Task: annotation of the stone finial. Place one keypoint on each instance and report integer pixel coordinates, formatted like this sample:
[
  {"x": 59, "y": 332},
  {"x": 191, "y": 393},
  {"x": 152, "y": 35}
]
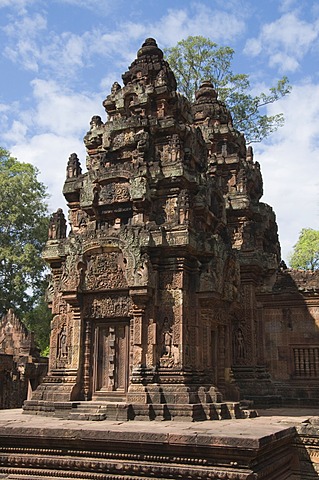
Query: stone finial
[
  {"x": 146, "y": 68},
  {"x": 74, "y": 167},
  {"x": 57, "y": 225},
  {"x": 150, "y": 47},
  {"x": 250, "y": 154},
  {"x": 206, "y": 92},
  {"x": 207, "y": 106}
]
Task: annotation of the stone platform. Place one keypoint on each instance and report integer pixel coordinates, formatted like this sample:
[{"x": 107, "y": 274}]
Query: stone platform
[{"x": 267, "y": 447}]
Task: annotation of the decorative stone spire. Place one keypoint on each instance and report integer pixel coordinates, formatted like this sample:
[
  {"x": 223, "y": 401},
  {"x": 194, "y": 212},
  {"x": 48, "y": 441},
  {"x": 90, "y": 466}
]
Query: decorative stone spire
[
  {"x": 74, "y": 167},
  {"x": 149, "y": 67},
  {"x": 208, "y": 109},
  {"x": 57, "y": 225}
]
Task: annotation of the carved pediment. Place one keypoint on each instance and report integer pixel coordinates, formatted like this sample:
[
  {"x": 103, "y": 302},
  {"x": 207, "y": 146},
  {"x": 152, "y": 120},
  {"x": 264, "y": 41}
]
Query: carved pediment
[{"x": 105, "y": 271}]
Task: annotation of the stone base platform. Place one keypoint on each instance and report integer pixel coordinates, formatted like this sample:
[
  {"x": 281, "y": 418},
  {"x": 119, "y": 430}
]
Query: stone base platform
[
  {"x": 39, "y": 447},
  {"x": 124, "y": 411}
]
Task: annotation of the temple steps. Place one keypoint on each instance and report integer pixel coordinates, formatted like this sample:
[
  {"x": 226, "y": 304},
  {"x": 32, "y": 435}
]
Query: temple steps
[{"x": 123, "y": 411}]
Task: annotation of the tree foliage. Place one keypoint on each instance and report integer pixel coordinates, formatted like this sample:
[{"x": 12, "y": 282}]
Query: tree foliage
[
  {"x": 196, "y": 59},
  {"x": 306, "y": 251},
  {"x": 38, "y": 320},
  {"x": 23, "y": 232}
]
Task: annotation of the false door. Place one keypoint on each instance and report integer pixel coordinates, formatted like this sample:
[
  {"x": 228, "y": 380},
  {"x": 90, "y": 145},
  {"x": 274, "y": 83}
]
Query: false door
[{"x": 111, "y": 359}]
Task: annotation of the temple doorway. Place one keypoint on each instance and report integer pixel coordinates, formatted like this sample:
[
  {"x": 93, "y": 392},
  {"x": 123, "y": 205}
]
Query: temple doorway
[{"x": 111, "y": 358}]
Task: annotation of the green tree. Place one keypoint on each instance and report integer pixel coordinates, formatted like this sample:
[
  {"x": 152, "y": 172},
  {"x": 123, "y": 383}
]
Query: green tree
[
  {"x": 38, "y": 320},
  {"x": 306, "y": 251},
  {"x": 23, "y": 232},
  {"x": 196, "y": 59}
]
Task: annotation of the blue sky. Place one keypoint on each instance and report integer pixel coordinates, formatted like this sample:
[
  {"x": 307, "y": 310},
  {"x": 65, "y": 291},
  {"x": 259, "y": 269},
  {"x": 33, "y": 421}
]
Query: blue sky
[{"x": 59, "y": 58}]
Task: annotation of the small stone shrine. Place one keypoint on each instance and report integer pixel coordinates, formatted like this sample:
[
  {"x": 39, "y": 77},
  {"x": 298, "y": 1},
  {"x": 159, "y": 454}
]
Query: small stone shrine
[
  {"x": 158, "y": 289},
  {"x": 21, "y": 367}
]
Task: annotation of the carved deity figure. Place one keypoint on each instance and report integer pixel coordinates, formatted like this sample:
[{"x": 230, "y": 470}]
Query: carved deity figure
[
  {"x": 144, "y": 273},
  {"x": 161, "y": 108},
  {"x": 96, "y": 122},
  {"x": 183, "y": 207},
  {"x": 287, "y": 317},
  {"x": 167, "y": 339},
  {"x": 115, "y": 87},
  {"x": 176, "y": 148},
  {"x": 239, "y": 346},
  {"x": 62, "y": 344},
  {"x": 57, "y": 225},
  {"x": 93, "y": 138},
  {"x": 161, "y": 79}
]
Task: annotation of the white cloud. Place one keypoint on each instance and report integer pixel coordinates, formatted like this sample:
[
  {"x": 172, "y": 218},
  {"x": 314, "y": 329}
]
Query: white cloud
[
  {"x": 62, "y": 112},
  {"x": 18, "y": 5},
  {"x": 4, "y": 107},
  {"x": 63, "y": 55},
  {"x": 287, "y": 5},
  {"x": 7, "y": 112},
  {"x": 73, "y": 49},
  {"x": 284, "y": 62},
  {"x": 56, "y": 110},
  {"x": 102, "y": 7},
  {"x": 49, "y": 153},
  {"x": 253, "y": 47},
  {"x": 32, "y": 45},
  {"x": 17, "y": 132},
  {"x": 285, "y": 41},
  {"x": 290, "y": 165},
  {"x": 23, "y": 35},
  {"x": 169, "y": 29},
  {"x": 35, "y": 47},
  {"x": 107, "y": 81},
  {"x": 26, "y": 27},
  {"x": 198, "y": 20},
  {"x": 46, "y": 135}
]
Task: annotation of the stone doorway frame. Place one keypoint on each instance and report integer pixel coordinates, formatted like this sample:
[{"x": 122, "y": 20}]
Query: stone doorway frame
[{"x": 110, "y": 355}]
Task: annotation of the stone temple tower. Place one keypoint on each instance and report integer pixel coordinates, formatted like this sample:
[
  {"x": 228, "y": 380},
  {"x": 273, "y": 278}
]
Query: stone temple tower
[{"x": 146, "y": 288}]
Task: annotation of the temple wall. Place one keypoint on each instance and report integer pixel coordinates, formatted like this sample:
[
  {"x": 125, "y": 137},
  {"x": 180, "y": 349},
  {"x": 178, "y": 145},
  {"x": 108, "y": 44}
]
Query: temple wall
[
  {"x": 291, "y": 341},
  {"x": 290, "y": 336}
]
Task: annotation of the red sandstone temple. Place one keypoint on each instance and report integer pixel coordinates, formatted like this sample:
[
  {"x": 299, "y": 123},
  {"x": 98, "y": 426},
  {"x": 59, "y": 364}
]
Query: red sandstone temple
[{"x": 169, "y": 296}]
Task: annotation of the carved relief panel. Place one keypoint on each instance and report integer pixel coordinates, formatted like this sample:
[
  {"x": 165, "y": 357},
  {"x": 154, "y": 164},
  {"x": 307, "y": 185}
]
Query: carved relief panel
[
  {"x": 114, "y": 192},
  {"x": 70, "y": 277},
  {"x": 106, "y": 271},
  {"x": 61, "y": 342},
  {"x": 170, "y": 150},
  {"x": 170, "y": 318},
  {"x": 107, "y": 306}
]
